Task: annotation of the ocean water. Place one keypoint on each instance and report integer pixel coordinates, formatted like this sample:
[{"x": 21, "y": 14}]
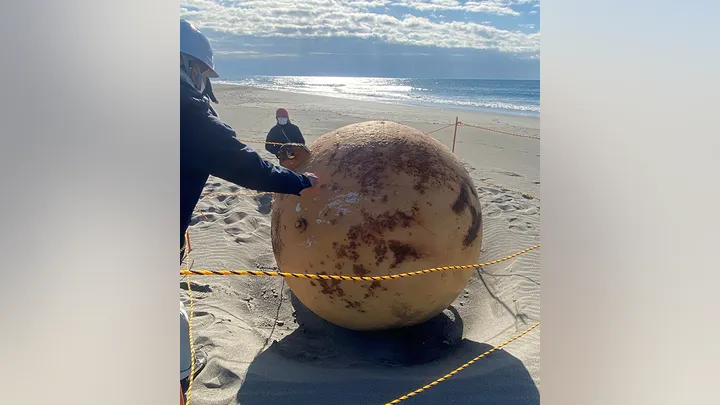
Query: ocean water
[{"x": 505, "y": 96}]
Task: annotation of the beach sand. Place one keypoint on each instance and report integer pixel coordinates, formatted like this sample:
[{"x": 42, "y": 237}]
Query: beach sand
[{"x": 264, "y": 347}]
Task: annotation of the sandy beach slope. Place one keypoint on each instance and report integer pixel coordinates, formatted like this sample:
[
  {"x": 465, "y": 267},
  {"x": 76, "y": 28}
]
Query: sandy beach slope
[{"x": 266, "y": 348}]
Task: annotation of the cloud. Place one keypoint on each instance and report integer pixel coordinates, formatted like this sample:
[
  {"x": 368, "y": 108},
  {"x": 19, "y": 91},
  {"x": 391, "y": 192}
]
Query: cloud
[
  {"x": 498, "y": 7},
  {"x": 353, "y": 19},
  {"x": 254, "y": 54},
  {"x": 369, "y": 3}
]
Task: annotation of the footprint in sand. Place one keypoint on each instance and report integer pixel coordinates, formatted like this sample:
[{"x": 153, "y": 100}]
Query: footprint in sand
[
  {"x": 224, "y": 378},
  {"x": 265, "y": 260},
  {"x": 492, "y": 212},
  {"x": 224, "y": 198},
  {"x": 488, "y": 190},
  {"x": 210, "y": 185},
  {"x": 203, "y": 318},
  {"x": 195, "y": 287},
  {"x": 240, "y": 227},
  {"x": 208, "y": 218},
  {"x": 511, "y": 174},
  {"x": 468, "y": 167},
  {"x": 215, "y": 210},
  {"x": 517, "y": 225},
  {"x": 529, "y": 211},
  {"x": 264, "y": 203},
  {"x": 234, "y": 217},
  {"x": 501, "y": 199},
  {"x": 232, "y": 200},
  {"x": 248, "y": 302},
  {"x": 507, "y": 207}
]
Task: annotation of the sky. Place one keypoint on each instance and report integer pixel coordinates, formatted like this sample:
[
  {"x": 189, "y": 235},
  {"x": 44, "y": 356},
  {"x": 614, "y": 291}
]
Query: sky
[{"x": 490, "y": 39}]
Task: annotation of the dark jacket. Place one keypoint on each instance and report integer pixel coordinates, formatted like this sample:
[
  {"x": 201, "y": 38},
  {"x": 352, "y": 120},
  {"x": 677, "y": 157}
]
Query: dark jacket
[
  {"x": 208, "y": 147},
  {"x": 288, "y": 133}
]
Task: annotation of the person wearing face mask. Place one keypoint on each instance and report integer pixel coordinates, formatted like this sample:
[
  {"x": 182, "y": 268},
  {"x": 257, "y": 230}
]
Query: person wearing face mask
[
  {"x": 208, "y": 146},
  {"x": 284, "y": 132}
]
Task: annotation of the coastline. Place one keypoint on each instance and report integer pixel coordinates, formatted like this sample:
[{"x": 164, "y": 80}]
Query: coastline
[{"x": 409, "y": 102}]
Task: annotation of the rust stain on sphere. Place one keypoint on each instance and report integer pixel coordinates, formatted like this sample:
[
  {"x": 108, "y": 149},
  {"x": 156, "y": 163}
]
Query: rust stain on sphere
[{"x": 392, "y": 200}]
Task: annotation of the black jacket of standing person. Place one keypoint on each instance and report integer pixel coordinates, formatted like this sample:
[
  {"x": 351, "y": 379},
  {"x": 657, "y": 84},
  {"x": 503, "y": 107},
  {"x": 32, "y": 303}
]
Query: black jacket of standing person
[
  {"x": 288, "y": 133},
  {"x": 208, "y": 146}
]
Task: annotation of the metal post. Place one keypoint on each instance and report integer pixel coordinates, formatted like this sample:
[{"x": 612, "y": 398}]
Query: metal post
[{"x": 455, "y": 134}]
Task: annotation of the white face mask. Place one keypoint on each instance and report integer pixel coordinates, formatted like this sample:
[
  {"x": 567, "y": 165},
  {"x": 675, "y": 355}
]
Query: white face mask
[
  {"x": 198, "y": 82},
  {"x": 192, "y": 76},
  {"x": 282, "y": 120},
  {"x": 201, "y": 86}
]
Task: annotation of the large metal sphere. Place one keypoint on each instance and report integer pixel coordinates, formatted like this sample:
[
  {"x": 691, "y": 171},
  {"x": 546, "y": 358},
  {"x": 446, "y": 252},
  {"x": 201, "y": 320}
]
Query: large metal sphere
[{"x": 392, "y": 200}]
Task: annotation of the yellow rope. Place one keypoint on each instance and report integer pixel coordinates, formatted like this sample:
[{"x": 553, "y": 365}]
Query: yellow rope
[
  {"x": 464, "y": 366},
  {"x": 234, "y": 194},
  {"x": 498, "y": 131},
  {"x": 190, "y": 330},
  {"x": 440, "y": 129},
  {"x": 281, "y": 143},
  {"x": 254, "y": 141},
  {"x": 348, "y": 278},
  {"x": 460, "y": 123}
]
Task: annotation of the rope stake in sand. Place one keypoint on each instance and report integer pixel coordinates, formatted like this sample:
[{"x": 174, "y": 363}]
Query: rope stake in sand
[
  {"x": 464, "y": 366},
  {"x": 348, "y": 278}
]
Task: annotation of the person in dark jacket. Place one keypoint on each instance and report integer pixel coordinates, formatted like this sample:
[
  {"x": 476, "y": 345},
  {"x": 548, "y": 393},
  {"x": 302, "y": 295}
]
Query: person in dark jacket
[
  {"x": 208, "y": 146},
  {"x": 283, "y": 132}
]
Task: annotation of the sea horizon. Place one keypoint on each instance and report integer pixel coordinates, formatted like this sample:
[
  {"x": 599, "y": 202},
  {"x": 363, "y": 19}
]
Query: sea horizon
[{"x": 508, "y": 96}]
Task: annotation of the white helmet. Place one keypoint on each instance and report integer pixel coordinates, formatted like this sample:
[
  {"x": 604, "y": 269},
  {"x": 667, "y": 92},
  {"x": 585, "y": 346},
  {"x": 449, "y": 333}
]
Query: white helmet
[{"x": 195, "y": 44}]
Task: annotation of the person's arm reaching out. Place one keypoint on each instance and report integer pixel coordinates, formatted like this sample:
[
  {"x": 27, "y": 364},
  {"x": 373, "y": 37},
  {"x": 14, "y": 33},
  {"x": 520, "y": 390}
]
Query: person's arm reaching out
[{"x": 218, "y": 152}]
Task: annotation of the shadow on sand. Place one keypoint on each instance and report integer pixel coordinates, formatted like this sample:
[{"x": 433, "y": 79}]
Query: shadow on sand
[{"x": 322, "y": 364}]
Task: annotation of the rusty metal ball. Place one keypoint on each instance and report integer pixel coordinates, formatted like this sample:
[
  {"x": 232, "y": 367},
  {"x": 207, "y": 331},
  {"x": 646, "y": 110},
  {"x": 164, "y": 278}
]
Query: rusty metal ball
[{"x": 391, "y": 200}]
